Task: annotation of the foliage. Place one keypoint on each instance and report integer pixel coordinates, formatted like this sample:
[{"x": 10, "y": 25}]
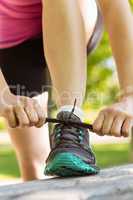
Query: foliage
[
  {"x": 102, "y": 88},
  {"x": 131, "y": 2},
  {"x": 2, "y": 124}
]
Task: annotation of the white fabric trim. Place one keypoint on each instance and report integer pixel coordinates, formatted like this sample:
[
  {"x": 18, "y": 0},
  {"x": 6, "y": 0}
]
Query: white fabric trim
[{"x": 78, "y": 111}]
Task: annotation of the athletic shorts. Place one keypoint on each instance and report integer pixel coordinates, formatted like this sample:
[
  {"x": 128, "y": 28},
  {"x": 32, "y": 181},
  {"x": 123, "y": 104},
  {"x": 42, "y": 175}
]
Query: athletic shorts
[{"x": 24, "y": 66}]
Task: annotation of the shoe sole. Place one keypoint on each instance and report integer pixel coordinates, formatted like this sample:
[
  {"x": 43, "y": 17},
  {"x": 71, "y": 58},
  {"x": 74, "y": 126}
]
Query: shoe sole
[{"x": 67, "y": 165}]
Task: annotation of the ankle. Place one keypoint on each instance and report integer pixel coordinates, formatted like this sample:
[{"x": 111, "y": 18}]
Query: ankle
[{"x": 77, "y": 110}]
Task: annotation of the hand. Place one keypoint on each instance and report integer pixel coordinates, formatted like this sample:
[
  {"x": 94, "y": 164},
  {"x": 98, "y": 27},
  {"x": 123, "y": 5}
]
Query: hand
[
  {"x": 116, "y": 120},
  {"x": 21, "y": 111}
]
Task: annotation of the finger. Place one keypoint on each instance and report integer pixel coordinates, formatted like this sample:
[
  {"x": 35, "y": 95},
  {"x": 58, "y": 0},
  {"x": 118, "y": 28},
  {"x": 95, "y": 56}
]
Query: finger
[
  {"x": 40, "y": 112},
  {"x": 23, "y": 101},
  {"x": 127, "y": 127},
  {"x": 107, "y": 123},
  {"x": 31, "y": 113},
  {"x": 98, "y": 123},
  {"x": 21, "y": 116},
  {"x": 116, "y": 128},
  {"x": 10, "y": 116}
]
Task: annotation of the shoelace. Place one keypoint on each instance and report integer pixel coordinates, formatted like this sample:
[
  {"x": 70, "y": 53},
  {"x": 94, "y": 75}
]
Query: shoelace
[
  {"x": 69, "y": 121},
  {"x": 65, "y": 139},
  {"x": 68, "y": 125}
]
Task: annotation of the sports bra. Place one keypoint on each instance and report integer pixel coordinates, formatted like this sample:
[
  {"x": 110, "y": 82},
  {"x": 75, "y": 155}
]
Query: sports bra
[{"x": 20, "y": 20}]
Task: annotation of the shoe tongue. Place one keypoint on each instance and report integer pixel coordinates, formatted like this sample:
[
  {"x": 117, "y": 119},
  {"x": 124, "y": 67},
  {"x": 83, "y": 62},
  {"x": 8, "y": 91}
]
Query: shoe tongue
[{"x": 65, "y": 115}]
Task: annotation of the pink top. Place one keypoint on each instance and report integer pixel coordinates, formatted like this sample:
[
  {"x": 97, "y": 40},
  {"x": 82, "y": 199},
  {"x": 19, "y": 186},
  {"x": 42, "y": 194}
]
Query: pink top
[{"x": 19, "y": 20}]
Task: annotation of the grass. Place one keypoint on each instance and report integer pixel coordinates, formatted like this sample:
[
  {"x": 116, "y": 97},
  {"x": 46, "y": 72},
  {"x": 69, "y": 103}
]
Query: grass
[
  {"x": 8, "y": 163},
  {"x": 107, "y": 155}
]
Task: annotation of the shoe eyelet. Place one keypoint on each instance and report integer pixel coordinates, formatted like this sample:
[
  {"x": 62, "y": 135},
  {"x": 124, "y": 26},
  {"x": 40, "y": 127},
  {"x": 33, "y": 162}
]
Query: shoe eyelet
[
  {"x": 57, "y": 141},
  {"x": 80, "y": 133},
  {"x": 58, "y": 135},
  {"x": 80, "y": 138},
  {"x": 58, "y": 130}
]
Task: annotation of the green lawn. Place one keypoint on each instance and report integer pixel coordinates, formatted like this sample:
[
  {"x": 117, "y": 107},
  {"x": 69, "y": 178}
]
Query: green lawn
[
  {"x": 107, "y": 155},
  {"x": 8, "y": 164}
]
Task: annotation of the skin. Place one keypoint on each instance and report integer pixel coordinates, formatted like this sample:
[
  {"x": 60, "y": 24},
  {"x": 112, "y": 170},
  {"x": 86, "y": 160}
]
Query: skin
[
  {"x": 25, "y": 131},
  {"x": 72, "y": 31},
  {"x": 19, "y": 111},
  {"x": 32, "y": 145},
  {"x": 25, "y": 119},
  {"x": 32, "y": 148},
  {"x": 65, "y": 50},
  {"x": 117, "y": 119}
]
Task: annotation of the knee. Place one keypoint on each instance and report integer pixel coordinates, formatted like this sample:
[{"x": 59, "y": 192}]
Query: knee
[
  {"x": 61, "y": 9},
  {"x": 89, "y": 14}
]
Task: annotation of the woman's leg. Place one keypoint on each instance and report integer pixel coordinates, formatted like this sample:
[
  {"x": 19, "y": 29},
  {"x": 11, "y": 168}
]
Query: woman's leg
[
  {"x": 32, "y": 147},
  {"x": 89, "y": 14},
  {"x": 66, "y": 33},
  {"x": 67, "y": 29}
]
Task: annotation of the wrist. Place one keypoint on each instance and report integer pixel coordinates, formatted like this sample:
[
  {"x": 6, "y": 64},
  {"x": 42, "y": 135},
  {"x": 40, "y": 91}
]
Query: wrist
[
  {"x": 5, "y": 96},
  {"x": 126, "y": 93}
]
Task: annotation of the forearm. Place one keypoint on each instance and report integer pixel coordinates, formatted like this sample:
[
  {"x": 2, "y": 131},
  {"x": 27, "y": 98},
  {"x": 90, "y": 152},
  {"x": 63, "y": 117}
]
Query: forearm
[
  {"x": 19, "y": 111},
  {"x": 119, "y": 22}
]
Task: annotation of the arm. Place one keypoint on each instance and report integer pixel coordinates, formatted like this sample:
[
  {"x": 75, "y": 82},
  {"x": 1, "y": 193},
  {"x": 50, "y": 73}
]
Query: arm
[
  {"x": 3, "y": 85},
  {"x": 19, "y": 110},
  {"x": 119, "y": 22},
  {"x": 117, "y": 119}
]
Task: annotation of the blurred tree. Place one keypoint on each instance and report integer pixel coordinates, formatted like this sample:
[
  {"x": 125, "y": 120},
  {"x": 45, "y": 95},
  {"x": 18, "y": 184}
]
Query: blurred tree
[
  {"x": 131, "y": 2},
  {"x": 102, "y": 86}
]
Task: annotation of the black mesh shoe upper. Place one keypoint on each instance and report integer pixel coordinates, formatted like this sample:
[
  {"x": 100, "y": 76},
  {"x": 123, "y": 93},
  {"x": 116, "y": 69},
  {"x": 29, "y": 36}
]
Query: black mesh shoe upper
[{"x": 67, "y": 137}]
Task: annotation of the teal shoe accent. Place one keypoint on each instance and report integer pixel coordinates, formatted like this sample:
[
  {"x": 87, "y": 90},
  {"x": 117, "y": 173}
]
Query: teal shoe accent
[{"x": 67, "y": 164}]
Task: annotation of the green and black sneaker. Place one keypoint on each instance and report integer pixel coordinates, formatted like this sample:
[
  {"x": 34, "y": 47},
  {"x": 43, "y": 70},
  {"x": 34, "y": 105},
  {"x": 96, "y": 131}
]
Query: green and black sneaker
[{"x": 71, "y": 154}]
